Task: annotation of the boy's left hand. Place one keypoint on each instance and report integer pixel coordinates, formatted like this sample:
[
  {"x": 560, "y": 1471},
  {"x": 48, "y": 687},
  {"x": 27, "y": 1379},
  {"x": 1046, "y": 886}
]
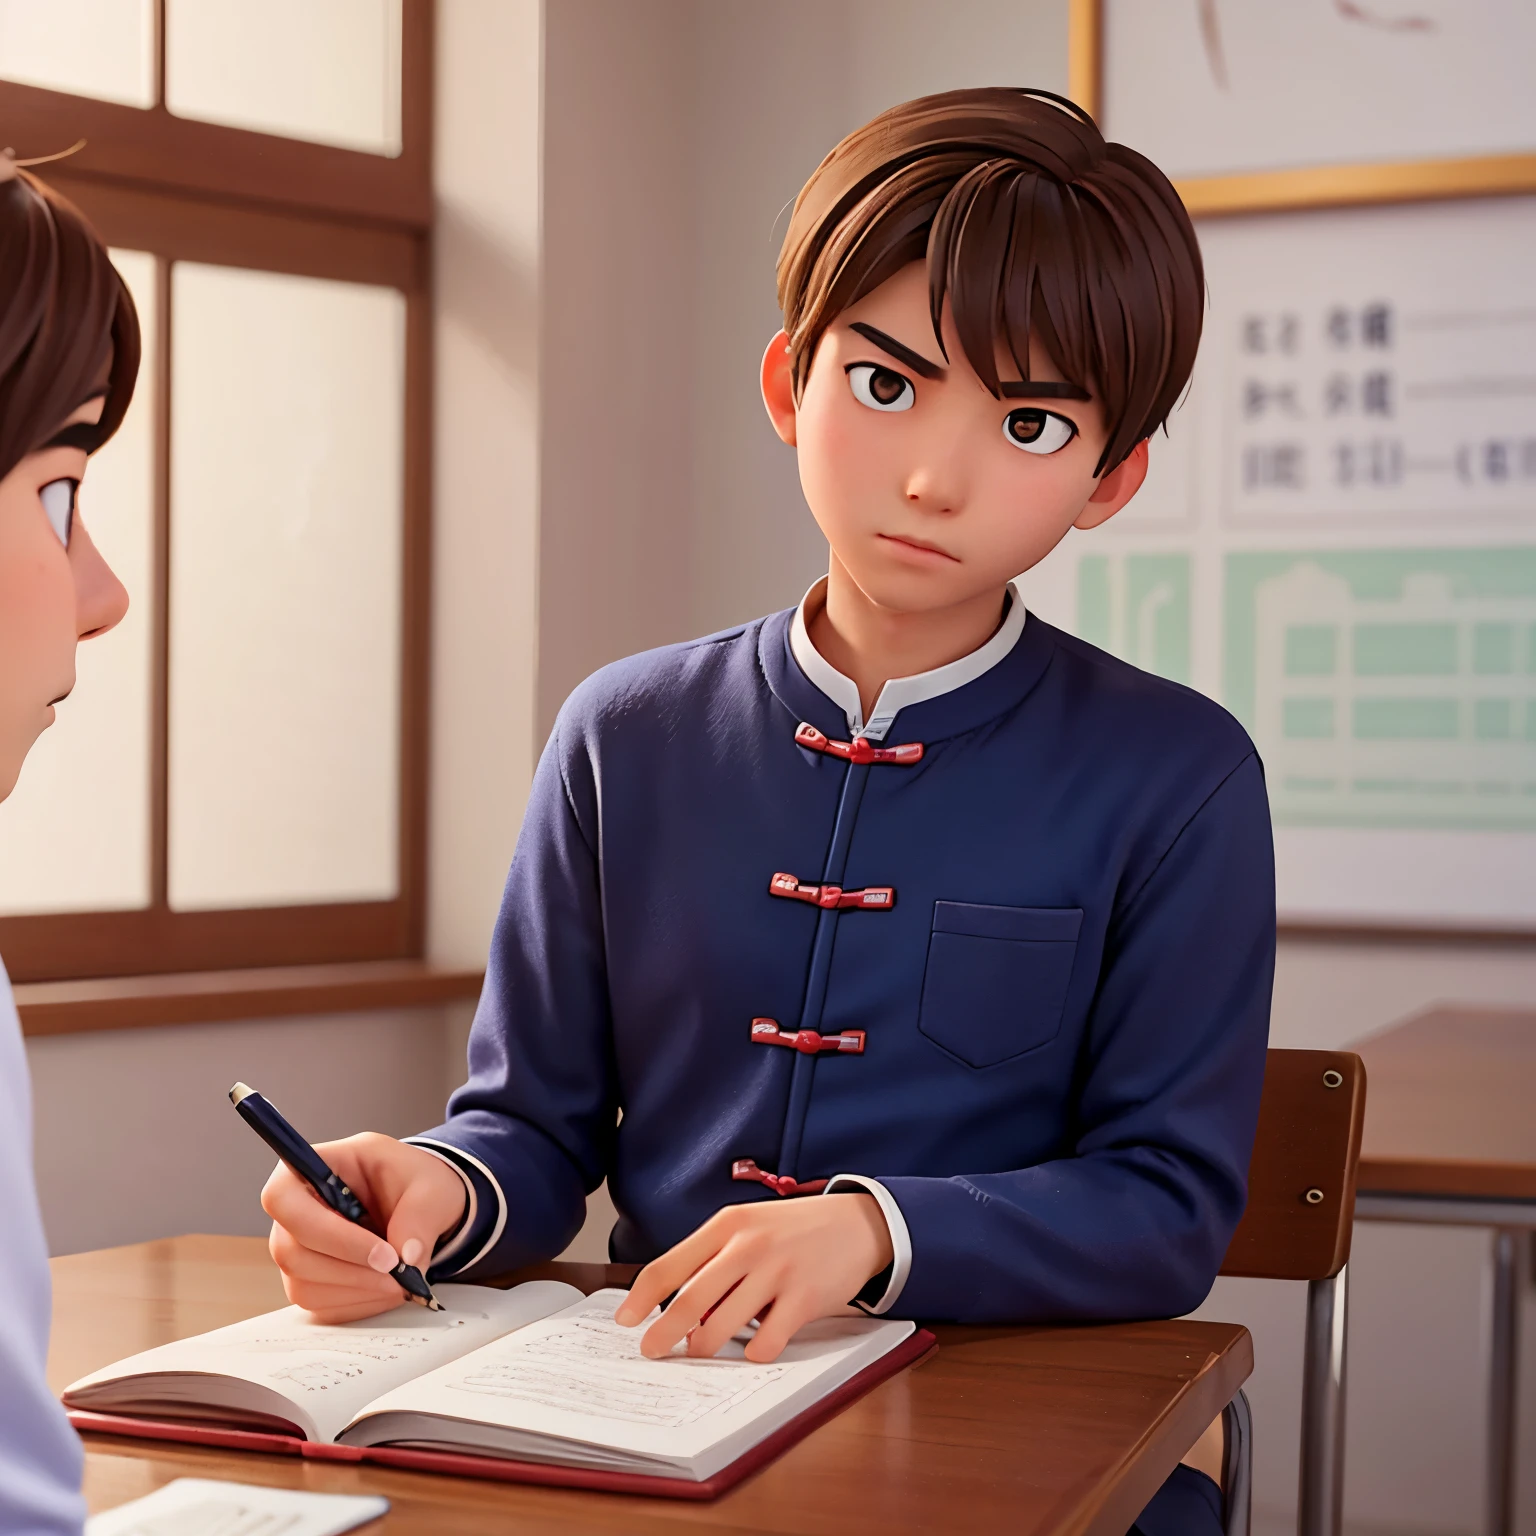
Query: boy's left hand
[{"x": 787, "y": 1262}]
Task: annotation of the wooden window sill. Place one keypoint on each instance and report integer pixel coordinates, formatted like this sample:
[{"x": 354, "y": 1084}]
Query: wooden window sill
[{"x": 210, "y": 997}]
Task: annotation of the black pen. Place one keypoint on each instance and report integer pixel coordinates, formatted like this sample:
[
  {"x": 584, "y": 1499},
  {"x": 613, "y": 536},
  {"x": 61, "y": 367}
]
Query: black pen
[{"x": 313, "y": 1169}]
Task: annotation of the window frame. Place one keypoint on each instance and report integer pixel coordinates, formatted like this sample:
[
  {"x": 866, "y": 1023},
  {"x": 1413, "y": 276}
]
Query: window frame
[
  {"x": 184, "y": 190},
  {"x": 151, "y": 147}
]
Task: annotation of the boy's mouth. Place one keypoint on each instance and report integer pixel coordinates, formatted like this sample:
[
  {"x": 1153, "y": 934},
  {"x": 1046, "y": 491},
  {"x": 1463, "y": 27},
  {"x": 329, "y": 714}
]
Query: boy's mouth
[{"x": 922, "y": 546}]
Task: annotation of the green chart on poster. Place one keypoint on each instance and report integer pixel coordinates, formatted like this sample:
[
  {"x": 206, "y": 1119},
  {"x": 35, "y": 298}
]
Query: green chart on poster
[{"x": 1388, "y": 687}]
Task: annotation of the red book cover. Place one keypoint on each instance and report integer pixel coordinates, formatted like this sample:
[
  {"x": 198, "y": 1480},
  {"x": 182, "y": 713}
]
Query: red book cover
[{"x": 501, "y": 1470}]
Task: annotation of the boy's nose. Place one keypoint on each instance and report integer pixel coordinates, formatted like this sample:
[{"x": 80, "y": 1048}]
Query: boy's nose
[
  {"x": 932, "y": 489},
  {"x": 101, "y": 599}
]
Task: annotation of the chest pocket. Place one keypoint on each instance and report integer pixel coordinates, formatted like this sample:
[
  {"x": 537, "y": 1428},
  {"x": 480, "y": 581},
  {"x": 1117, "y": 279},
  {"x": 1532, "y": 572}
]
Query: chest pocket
[{"x": 996, "y": 980}]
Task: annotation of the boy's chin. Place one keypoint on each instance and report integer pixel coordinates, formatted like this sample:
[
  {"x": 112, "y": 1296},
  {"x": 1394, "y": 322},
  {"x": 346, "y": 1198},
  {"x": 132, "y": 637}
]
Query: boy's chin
[
  {"x": 917, "y": 592},
  {"x": 10, "y": 766}
]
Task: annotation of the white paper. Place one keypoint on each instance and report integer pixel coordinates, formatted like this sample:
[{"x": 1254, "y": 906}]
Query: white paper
[
  {"x": 575, "y": 1388},
  {"x": 590, "y": 1365},
  {"x": 193, "y": 1506},
  {"x": 325, "y": 1373}
]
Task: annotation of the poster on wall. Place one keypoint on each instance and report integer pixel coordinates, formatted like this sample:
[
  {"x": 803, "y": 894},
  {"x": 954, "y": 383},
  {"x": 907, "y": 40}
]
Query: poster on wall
[
  {"x": 1317, "y": 82},
  {"x": 1337, "y": 541}
]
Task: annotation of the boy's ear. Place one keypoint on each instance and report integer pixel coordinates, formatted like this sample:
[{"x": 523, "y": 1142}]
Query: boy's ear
[
  {"x": 1115, "y": 488},
  {"x": 779, "y": 387}
]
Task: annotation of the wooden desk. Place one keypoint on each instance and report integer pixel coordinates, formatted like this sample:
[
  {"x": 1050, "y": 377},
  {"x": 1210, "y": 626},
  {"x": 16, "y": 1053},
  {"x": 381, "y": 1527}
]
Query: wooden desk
[
  {"x": 1451, "y": 1108},
  {"x": 1036, "y": 1431},
  {"x": 1450, "y": 1139}
]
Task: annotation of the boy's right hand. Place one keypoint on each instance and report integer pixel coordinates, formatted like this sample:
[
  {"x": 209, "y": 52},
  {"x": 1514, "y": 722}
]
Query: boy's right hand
[{"x": 339, "y": 1271}]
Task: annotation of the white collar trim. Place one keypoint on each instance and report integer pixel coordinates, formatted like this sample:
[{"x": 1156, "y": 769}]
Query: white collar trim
[{"x": 898, "y": 692}]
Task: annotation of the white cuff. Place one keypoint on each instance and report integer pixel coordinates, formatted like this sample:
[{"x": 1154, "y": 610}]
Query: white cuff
[
  {"x": 443, "y": 1151},
  {"x": 896, "y": 1224}
]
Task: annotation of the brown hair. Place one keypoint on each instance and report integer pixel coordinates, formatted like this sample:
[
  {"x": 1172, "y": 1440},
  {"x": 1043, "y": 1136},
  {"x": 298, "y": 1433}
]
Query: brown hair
[
  {"x": 1030, "y": 224},
  {"x": 65, "y": 313}
]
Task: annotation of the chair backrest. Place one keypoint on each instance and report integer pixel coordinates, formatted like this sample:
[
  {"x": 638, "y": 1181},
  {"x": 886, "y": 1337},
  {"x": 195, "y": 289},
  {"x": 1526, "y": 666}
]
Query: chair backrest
[{"x": 1301, "y": 1182}]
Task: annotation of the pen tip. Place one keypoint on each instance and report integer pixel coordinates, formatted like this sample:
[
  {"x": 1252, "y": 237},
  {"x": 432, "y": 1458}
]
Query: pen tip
[{"x": 240, "y": 1091}]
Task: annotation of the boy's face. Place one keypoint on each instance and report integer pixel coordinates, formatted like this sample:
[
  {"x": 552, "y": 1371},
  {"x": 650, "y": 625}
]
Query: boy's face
[
  {"x": 930, "y": 490},
  {"x": 55, "y": 589}
]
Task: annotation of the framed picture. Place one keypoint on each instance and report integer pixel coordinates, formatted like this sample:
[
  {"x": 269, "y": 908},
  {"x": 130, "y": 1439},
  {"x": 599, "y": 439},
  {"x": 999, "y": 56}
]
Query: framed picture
[{"x": 1251, "y": 106}]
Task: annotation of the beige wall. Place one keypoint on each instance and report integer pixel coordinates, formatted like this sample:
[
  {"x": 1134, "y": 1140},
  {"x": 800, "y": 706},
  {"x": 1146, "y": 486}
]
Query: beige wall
[
  {"x": 486, "y": 465},
  {"x": 618, "y": 230},
  {"x": 135, "y": 1137}
]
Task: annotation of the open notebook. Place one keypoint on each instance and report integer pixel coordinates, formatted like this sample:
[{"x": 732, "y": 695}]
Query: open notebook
[{"x": 538, "y": 1376}]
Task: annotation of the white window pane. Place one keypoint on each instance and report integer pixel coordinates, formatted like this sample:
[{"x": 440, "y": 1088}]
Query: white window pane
[
  {"x": 287, "y": 399},
  {"x": 101, "y": 48},
  {"x": 74, "y": 835},
  {"x": 327, "y": 72}
]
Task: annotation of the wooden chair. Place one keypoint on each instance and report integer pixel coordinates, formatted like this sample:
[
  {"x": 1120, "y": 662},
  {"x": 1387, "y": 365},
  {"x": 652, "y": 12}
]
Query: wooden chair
[{"x": 1301, "y": 1204}]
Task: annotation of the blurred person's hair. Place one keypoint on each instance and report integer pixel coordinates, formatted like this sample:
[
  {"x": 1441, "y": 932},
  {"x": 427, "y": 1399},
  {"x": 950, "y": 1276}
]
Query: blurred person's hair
[
  {"x": 1031, "y": 225},
  {"x": 68, "y": 328}
]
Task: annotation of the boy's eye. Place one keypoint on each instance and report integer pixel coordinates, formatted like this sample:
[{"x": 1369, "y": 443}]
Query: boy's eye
[
  {"x": 1037, "y": 431},
  {"x": 58, "y": 498},
  {"x": 881, "y": 389}
]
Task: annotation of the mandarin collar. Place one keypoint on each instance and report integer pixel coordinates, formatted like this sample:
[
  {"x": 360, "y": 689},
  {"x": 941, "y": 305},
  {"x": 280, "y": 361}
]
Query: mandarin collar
[{"x": 1000, "y": 688}]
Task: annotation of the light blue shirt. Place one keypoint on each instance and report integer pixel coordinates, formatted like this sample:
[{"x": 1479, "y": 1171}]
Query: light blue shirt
[{"x": 40, "y": 1455}]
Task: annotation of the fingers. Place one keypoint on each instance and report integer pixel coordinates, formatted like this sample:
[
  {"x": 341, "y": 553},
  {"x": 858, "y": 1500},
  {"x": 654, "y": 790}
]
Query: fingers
[
  {"x": 693, "y": 1302},
  {"x": 661, "y": 1277},
  {"x": 324, "y": 1313},
  {"x": 784, "y": 1319},
  {"x": 290, "y": 1202},
  {"x": 331, "y": 1265},
  {"x": 730, "y": 1316},
  {"x": 342, "y": 1315},
  {"x": 427, "y": 1206},
  {"x": 311, "y": 1267},
  {"x": 785, "y": 1264},
  {"x": 326, "y": 1286}
]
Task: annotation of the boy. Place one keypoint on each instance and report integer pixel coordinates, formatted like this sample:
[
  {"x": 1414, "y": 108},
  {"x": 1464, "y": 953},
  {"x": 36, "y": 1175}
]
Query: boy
[{"x": 900, "y": 895}]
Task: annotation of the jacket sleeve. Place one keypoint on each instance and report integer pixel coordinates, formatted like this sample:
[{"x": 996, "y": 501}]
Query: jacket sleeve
[
  {"x": 40, "y": 1455},
  {"x": 532, "y": 1130},
  {"x": 1136, "y": 1221}
]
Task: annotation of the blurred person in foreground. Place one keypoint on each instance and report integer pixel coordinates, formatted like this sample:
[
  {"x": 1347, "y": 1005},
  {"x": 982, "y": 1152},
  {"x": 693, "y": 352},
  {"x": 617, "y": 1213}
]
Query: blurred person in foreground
[{"x": 69, "y": 355}]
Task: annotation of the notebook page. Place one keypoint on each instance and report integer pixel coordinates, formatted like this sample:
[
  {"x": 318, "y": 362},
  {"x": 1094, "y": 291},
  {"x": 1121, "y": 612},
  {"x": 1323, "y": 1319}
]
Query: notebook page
[
  {"x": 579, "y": 1376},
  {"x": 325, "y": 1372},
  {"x": 195, "y": 1506}
]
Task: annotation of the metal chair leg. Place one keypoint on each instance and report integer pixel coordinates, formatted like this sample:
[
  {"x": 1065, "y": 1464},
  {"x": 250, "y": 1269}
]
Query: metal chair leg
[
  {"x": 1237, "y": 1467},
  {"x": 1320, "y": 1507},
  {"x": 1503, "y": 1380}
]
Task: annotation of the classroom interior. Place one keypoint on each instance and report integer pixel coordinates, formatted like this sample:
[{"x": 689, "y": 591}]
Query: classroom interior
[{"x": 563, "y": 374}]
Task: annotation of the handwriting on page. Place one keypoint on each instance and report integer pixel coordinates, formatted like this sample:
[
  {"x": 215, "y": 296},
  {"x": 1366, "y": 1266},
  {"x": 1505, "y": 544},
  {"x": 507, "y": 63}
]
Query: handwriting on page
[
  {"x": 319, "y": 1375},
  {"x": 590, "y": 1365},
  {"x": 354, "y": 1347},
  {"x": 337, "y": 1341}
]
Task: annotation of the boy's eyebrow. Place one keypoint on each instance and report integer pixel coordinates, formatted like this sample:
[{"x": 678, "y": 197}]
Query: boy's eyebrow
[
  {"x": 1024, "y": 389},
  {"x": 78, "y": 434},
  {"x": 1042, "y": 389},
  {"x": 899, "y": 350}
]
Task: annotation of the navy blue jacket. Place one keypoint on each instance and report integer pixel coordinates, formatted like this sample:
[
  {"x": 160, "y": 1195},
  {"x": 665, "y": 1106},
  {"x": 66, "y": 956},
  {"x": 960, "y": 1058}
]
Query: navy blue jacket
[{"x": 1064, "y": 1009}]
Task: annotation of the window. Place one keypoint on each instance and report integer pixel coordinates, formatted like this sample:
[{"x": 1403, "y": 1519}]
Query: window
[{"x": 239, "y": 779}]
